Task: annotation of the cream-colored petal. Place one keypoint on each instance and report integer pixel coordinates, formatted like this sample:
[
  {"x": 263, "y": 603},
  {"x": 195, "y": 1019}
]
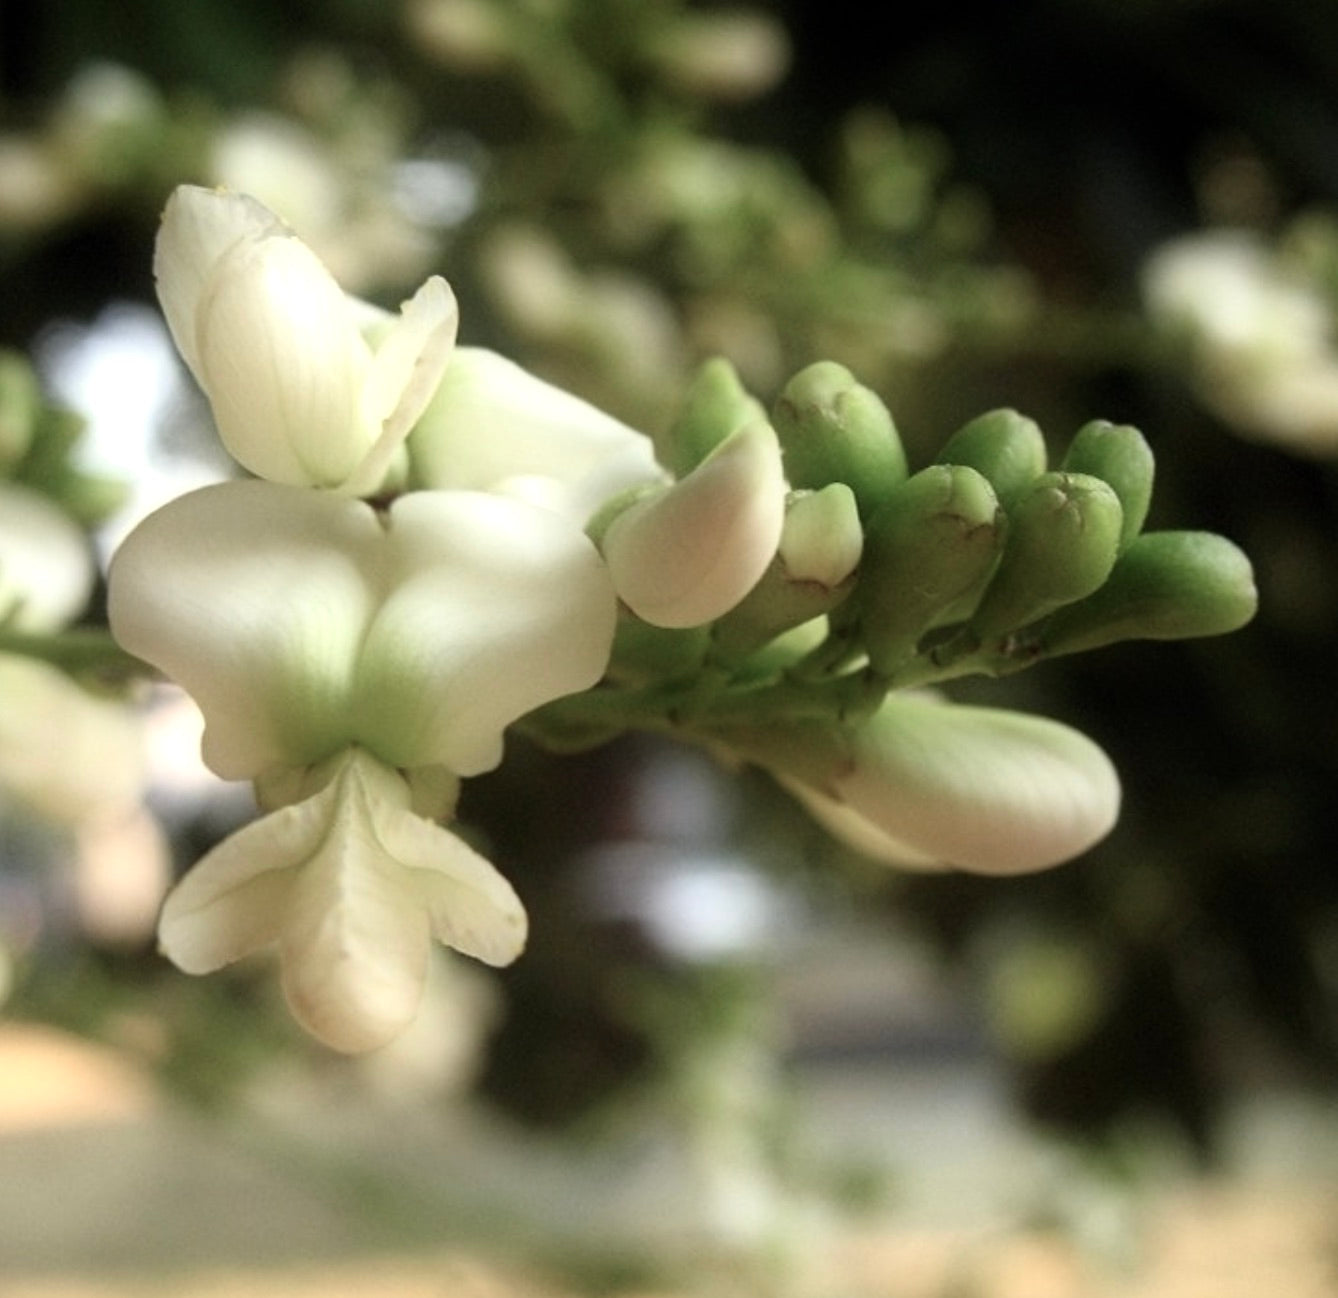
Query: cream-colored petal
[
  {"x": 686, "y": 556},
  {"x": 843, "y": 822},
  {"x": 233, "y": 901},
  {"x": 283, "y": 363},
  {"x": 983, "y": 789},
  {"x": 495, "y": 607},
  {"x": 254, "y": 598},
  {"x": 406, "y": 368},
  {"x": 198, "y": 227},
  {"x": 355, "y": 936},
  {"x": 471, "y": 906},
  {"x": 491, "y": 421}
]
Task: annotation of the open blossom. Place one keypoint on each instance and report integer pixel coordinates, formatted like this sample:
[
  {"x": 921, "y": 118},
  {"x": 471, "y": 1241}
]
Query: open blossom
[
  {"x": 929, "y": 784},
  {"x": 355, "y": 661},
  {"x": 355, "y": 664},
  {"x": 680, "y": 553},
  {"x": 298, "y": 394}
]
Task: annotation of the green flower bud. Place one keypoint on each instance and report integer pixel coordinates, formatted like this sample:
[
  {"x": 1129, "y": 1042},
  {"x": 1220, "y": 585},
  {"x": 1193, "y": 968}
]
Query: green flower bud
[
  {"x": 813, "y": 572},
  {"x": 931, "y": 545},
  {"x": 832, "y": 429},
  {"x": 20, "y": 401},
  {"x": 1118, "y": 454},
  {"x": 1006, "y": 448},
  {"x": 1165, "y": 586},
  {"x": 716, "y": 404},
  {"x": 1063, "y": 535}
]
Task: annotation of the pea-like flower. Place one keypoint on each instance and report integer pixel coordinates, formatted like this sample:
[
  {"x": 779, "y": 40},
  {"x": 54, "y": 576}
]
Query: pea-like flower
[
  {"x": 680, "y": 553},
  {"x": 930, "y": 784},
  {"x": 297, "y": 392},
  {"x": 355, "y": 663}
]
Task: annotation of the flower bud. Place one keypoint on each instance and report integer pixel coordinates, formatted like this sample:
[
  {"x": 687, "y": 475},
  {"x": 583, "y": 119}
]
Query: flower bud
[
  {"x": 1165, "y": 586},
  {"x": 298, "y": 394},
  {"x": 1119, "y": 455},
  {"x": 1063, "y": 535},
  {"x": 683, "y": 555},
  {"x": 932, "y": 543},
  {"x": 715, "y": 406},
  {"x": 923, "y": 781},
  {"x": 820, "y": 547},
  {"x": 1004, "y": 447},
  {"x": 833, "y": 429}
]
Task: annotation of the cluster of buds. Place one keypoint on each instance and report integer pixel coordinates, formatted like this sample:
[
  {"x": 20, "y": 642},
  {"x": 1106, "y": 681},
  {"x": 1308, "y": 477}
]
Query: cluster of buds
[
  {"x": 437, "y": 545},
  {"x": 886, "y": 581}
]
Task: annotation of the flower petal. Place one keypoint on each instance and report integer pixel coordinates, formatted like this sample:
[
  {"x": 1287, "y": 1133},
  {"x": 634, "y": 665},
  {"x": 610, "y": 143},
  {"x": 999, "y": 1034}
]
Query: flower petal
[
  {"x": 857, "y": 832},
  {"x": 354, "y": 941},
  {"x": 351, "y": 885},
  {"x": 984, "y": 789},
  {"x": 283, "y": 363},
  {"x": 491, "y": 421},
  {"x": 254, "y": 598},
  {"x": 232, "y": 902},
  {"x": 495, "y": 607},
  {"x": 687, "y": 555},
  {"x": 471, "y": 907},
  {"x": 198, "y": 226},
  {"x": 406, "y": 368}
]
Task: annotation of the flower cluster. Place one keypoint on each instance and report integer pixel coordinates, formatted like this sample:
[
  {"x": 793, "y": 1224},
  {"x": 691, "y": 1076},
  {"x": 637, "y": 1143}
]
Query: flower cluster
[
  {"x": 361, "y": 622},
  {"x": 437, "y": 545}
]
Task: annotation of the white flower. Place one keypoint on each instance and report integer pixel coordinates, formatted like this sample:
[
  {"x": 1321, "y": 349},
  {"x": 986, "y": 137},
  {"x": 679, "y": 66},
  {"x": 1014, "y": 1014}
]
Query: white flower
[
  {"x": 299, "y": 396},
  {"x": 302, "y": 621},
  {"x": 1263, "y": 353},
  {"x": 46, "y": 567},
  {"x": 680, "y": 554},
  {"x": 925, "y": 783},
  {"x": 355, "y": 663}
]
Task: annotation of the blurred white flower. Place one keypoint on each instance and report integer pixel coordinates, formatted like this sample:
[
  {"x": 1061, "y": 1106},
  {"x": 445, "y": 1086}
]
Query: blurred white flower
[{"x": 1260, "y": 338}]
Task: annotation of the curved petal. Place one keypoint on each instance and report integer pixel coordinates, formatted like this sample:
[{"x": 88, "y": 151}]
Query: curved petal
[
  {"x": 232, "y": 902},
  {"x": 495, "y": 607},
  {"x": 254, "y": 598},
  {"x": 984, "y": 789},
  {"x": 354, "y": 941},
  {"x": 687, "y": 555},
  {"x": 283, "y": 363},
  {"x": 843, "y": 822},
  {"x": 406, "y": 368},
  {"x": 491, "y": 421},
  {"x": 198, "y": 226}
]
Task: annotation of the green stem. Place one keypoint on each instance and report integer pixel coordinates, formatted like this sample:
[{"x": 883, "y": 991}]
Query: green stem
[{"x": 79, "y": 651}]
